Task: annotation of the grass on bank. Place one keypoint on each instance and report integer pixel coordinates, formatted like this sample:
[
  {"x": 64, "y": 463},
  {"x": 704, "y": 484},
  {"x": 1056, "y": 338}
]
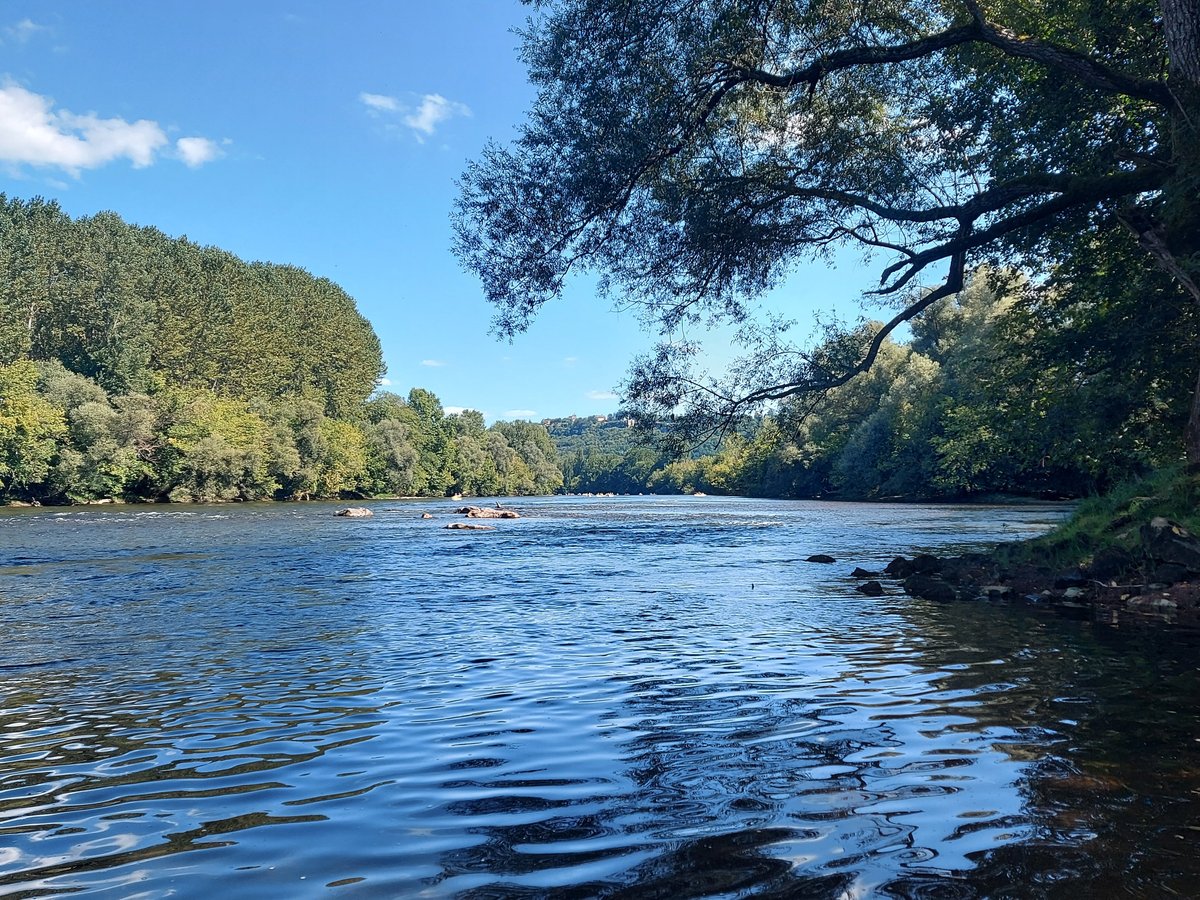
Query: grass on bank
[{"x": 1114, "y": 520}]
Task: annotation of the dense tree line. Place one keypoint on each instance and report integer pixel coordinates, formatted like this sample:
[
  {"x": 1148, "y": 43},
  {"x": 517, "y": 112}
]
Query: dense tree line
[
  {"x": 1060, "y": 388},
  {"x": 137, "y": 366}
]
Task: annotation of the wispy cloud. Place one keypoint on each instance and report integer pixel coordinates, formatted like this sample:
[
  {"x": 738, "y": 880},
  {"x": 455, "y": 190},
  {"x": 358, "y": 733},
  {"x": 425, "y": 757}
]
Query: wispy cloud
[
  {"x": 570, "y": 360},
  {"x": 422, "y": 118},
  {"x": 433, "y": 363},
  {"x": 601, "y": 395},
  {"x": 196, "y": 151},
  {"x": 454, "y": 410},
  {"x": 380, "y": 102},
  {"x": 384, "y": 382},
  {"x": 24, "y": 30},
  {"x": 519, "y": 414},
  {"x": 34, "y": 133}
]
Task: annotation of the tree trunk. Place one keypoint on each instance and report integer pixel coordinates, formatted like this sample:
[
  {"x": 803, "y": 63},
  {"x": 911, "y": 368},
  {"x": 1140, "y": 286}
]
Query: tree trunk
[
  {"x": 1191, "y": 435},
  {"x": 1181, "y": 27}
]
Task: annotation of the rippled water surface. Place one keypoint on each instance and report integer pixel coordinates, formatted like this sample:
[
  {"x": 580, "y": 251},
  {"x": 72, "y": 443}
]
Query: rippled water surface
[{"x": 626, "y": 697}]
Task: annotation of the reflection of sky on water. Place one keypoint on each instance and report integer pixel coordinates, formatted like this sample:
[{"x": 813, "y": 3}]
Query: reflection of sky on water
[{"x": 643, "y": 695}]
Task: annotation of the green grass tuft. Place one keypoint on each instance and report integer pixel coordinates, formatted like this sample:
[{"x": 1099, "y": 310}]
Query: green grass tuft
[{"x": 1114, "y": 519}]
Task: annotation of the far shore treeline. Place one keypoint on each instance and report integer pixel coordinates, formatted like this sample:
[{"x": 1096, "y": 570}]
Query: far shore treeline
[{"x": 135, "y": 366}]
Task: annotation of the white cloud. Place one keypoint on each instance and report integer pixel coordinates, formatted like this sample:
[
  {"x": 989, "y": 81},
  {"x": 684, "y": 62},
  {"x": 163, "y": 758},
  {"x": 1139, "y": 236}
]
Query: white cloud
[
  {"x": 384, "y": 382},
  {"x": 601, "y": 395},
  {"x": 433, "y": 363},
  {"x": 423, "y": 119},
  {"x": 196, "y": 151},
  {"x": 33, "y": 133},
  {"x": 454, "y": 410},
  {"x": 23, "y": 30},
  {"x": 519, "y": 414},
  {"x": 434, "y": 110},
  {"x": 570, "y": 360},
  {"x": 381, "y": 102}
]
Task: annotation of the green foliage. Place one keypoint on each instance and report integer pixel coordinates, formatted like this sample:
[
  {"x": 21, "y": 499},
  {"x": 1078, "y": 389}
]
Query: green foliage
[
  {"x": 29, "y": 429},
  {"x": 133, "y": 309},
  {"x": 139, "y": 367}
]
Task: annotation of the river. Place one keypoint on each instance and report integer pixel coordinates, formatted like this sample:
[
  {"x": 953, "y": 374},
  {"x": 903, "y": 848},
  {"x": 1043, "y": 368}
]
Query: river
[{"x": 609, "y": 697}]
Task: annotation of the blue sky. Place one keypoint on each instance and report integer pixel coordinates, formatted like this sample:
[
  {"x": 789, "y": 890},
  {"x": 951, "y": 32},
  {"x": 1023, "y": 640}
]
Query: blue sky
[{"x": 327, "y": 136}]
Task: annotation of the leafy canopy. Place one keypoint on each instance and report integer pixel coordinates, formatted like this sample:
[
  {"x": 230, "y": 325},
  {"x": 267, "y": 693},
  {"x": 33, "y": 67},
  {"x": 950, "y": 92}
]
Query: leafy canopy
[{"x": 691, "y": 152}]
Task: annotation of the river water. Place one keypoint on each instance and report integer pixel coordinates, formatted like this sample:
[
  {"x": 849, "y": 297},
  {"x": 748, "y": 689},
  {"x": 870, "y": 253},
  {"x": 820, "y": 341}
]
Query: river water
[{"x": 610, "y": 697}]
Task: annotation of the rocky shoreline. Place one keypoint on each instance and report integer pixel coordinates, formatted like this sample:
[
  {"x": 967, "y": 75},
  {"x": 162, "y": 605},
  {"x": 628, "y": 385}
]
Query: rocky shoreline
[{"x": 1159, "y": 579}]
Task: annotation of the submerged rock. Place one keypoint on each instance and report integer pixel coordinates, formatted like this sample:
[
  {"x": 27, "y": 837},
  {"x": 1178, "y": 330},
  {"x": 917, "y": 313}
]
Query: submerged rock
[
  {"x": 871, "y": 589},
  {"x": 863, "y": 573},
  {"x": 426, "y": 516},
  {"x": 470, "y": 526},
  {"x": 821, "y": 558},
  {"x": 899, "y": 568},
  {"x": 354, "y": 512}
]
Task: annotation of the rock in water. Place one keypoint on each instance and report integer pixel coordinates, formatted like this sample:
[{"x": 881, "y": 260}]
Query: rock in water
[
  {"x": 929, "y": 588},
  {"x": 426, "y": 516},
  {"x": 871, "y": 589},
  {"x": 821, "y": 558},
  {"x": 470, "y": 526},
  {"x": 487, "y": 512},
  {"x": 863, "y": 573},
  {"x": 355, "y": 512}
]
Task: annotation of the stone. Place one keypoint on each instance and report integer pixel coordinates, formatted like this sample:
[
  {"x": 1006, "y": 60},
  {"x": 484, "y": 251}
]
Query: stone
[
  {"x": 863, "y": 573},
  {"x": 1071, "y": 579},
  {"x": 1109, "y": 563},
  {"x": 929, "y": 588},
  {"x": 871, "y": 589},
  {"x": 470, "y": 526},
  {"x": 426, "y": 516},
  {"x": 488, "y": 512},
  {"x": 899, "y": 568},
  {"x": 1168, "y": 542},
  {"x": 926, "y": 564},
  {"x": 1169, "y": 573},
  {"x": 821, "y": 558},
  {"x": 355, "y": 512},
  {"x": 996, "y": 591},
  {"x": 1074, "y": 593}
]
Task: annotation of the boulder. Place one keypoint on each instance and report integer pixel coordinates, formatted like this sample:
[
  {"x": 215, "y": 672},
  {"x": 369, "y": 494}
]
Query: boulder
[
  {"x": 488, "y": 512},
  {"x": 1168, "y": 573},
  {"x": 929, "y": 588},
  {"x": 926, "y": 564},
  {"x": 426, "y": 516},
  {"x": 1109, "y": 563},
  {"x": 821, "y": 558},
  {"x": 899, "y": 568},
  {"x": 1167, "y": 542},
  {"x": 871, "y": 589},
  {"x": 355, "y": 512},
  {"x": 863, "y": 573},
  {"x": 470, "y": 526},
  {"x": 996, "y": 591}
]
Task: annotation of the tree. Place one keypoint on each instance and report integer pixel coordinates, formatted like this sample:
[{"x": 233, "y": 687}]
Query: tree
[{"x": 692, "y": 151}]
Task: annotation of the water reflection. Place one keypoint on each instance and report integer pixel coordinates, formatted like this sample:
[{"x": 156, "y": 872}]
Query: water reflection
[{"x": 639, "y": 698}]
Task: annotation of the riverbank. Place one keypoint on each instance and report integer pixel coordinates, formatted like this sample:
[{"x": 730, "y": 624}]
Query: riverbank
[{"x": 1133, "y": 554}]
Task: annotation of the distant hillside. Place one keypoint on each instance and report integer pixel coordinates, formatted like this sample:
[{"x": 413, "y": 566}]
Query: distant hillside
[{"x": 611, "y": 434}]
